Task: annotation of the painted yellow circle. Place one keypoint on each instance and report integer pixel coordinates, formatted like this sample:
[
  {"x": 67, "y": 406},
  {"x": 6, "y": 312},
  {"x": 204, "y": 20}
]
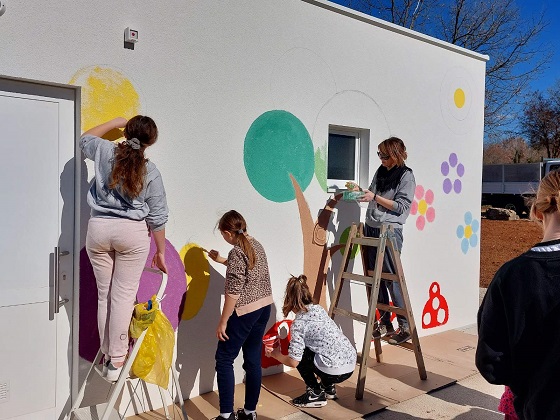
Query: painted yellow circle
[
  {"x": 106, "y": 94},
  {"x": 468, "y": 231},
  {"x": 422, "y": 207},
  {"x": 459, "y": 98},
  {"x": 197, "y": 269}
]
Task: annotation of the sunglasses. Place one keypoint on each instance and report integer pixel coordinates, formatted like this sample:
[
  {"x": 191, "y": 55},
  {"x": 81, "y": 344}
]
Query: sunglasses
[{"x": 382, "y": 156}]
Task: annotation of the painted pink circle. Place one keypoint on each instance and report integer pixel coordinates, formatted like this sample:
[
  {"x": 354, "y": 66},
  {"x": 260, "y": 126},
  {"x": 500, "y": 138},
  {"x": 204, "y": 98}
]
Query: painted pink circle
[
  {"x": 420, "y": 222},
  {"x": 419, "y": 193},
  {"x": 430, "y": 214},
  {"x": 429, "y": 197},
  {"x": 413, "y": 208}
]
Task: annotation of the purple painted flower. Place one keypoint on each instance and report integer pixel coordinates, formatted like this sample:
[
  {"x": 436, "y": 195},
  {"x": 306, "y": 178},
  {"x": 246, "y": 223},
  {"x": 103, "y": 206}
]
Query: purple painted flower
[{"x": 452, "y": 181}]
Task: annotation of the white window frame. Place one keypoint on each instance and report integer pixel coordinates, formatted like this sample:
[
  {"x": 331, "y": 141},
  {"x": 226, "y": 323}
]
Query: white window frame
[{"x": 361, "y": 160}]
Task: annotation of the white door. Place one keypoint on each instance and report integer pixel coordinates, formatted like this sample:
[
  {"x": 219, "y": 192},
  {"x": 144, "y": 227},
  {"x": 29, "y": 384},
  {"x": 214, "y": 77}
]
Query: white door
[{"x": 37, "y": 135}]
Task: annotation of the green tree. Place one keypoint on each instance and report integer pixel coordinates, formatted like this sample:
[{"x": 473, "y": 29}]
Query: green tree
[{"x": 280, "y": 163}]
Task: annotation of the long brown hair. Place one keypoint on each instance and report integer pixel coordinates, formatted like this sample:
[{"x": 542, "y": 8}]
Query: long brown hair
[
  {"x": 235, "y": 224},
  {"x": 547, "y": 199},
  {"x": 129, "y": 168},
  {"x": 297, "y": 296}
]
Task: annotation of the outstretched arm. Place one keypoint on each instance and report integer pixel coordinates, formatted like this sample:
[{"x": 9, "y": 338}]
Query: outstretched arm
[{"x": 104, "y": 128}]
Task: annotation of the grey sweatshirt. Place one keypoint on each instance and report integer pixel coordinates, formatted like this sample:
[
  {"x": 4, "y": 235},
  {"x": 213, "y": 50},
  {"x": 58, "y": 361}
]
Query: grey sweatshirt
[
  {"x": 150, "y": 205},
  {"x": 314, "y": 329},
  {"x": 402, "y": 196}
]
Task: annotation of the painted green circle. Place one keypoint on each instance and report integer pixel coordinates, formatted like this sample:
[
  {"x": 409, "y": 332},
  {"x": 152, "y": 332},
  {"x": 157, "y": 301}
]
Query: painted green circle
[
  {"x": 342, "y": 241},
  {"x": 277, "y": 145}
]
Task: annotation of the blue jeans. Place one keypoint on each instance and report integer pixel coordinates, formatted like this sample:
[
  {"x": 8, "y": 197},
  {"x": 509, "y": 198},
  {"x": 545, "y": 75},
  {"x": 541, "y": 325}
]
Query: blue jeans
[
  {"x": 386, "y": 287},
  {"x": 245, "y": 332}
]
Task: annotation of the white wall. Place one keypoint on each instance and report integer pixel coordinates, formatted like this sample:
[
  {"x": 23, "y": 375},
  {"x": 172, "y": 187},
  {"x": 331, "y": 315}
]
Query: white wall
[{"x": 206, "y": 70}]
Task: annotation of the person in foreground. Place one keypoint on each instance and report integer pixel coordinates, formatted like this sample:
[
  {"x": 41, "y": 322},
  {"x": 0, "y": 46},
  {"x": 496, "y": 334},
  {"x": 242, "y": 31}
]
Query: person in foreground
[
  {"x": 518, "y": 320},
  {"x": 318, "y": 348},
  {"x": 128, "y": 204},
  {"x": 247, "y": 304},
  {"x": 390, "y": 196}
]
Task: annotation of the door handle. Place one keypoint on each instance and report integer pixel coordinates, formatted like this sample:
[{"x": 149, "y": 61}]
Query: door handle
[{"x": 56, "y": 304}]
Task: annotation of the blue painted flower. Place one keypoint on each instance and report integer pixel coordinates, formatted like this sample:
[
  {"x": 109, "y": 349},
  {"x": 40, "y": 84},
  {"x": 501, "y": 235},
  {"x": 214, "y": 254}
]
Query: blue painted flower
[{"x": 468, "y": 233}]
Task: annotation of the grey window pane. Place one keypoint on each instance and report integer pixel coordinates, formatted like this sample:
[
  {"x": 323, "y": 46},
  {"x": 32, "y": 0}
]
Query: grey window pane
[{"x": 341, "y": 156}]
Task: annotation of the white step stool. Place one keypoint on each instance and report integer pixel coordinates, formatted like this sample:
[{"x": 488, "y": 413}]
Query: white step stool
[{"x": 107, "y": 411}]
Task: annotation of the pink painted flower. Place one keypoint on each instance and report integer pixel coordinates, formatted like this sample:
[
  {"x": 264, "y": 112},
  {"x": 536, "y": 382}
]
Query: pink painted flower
[{"x": 422, "y": 206}]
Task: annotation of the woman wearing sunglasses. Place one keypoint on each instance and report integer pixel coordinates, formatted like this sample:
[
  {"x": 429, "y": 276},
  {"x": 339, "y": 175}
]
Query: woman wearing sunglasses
[{"x": 390, "y": 196}]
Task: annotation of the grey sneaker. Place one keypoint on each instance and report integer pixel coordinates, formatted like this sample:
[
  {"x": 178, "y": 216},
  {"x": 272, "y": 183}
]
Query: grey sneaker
[
  {"x": 400, "y": 336},
  {"x": 383, "y": 330}
]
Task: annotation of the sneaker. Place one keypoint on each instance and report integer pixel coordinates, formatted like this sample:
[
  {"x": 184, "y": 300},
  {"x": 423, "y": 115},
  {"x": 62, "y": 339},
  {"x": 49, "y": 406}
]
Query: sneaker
[
  {"x": 400, "y": 336},
  {"x": 383, "y": 330},
  {"x": 241, "y": 415},
  {"x": 310, "y": 399},
  {"x": 330, "y": 392},
  {"x": 113, "y": 372},
  {"x": 233, "y": 416}
]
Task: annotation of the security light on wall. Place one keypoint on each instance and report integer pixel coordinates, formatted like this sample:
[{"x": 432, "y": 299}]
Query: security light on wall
[
  {"x": 130, "y": 35},
  {"x": 130, "y": 38},
  {"x": 2, "y": 7}
]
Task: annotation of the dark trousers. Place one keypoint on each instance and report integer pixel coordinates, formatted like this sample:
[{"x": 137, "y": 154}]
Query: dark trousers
[
  {"x": 386, "y": 286},
  {"x": 308, "y": 370},
  {"x": 244, "y": 332}
]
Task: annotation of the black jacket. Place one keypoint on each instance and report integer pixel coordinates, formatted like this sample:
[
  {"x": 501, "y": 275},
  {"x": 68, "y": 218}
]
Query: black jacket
[{"x": 519, "y": 331}]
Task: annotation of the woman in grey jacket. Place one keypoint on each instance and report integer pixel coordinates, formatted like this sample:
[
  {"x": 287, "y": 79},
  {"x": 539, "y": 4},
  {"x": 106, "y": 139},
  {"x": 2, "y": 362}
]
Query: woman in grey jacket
[
  {"x": 128, "y": 205},
  {"x": 390, "y": 196}
]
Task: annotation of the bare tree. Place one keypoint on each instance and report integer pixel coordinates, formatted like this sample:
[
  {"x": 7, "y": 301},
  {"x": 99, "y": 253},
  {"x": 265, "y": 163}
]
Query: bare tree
[
  {"x": 541, "y": 121},
  {"x": 510, "y": 150},
  {"x": 494, "y": 27}
]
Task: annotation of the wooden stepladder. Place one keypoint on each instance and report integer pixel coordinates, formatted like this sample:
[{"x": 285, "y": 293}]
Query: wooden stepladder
[{"x": 372, "y": 279}]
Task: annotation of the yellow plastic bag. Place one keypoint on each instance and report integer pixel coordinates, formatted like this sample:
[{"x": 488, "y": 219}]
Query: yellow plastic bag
[{"x": 155, "y": 355}]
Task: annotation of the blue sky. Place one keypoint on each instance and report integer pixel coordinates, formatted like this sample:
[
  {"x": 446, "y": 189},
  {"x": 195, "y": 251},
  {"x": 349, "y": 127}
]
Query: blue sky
[{"x": 551, "y": 35}]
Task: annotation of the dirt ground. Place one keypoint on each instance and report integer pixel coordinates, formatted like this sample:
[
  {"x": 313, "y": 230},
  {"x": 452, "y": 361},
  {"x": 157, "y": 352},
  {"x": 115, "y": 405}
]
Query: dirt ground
[{"x": 502, "y": 240}]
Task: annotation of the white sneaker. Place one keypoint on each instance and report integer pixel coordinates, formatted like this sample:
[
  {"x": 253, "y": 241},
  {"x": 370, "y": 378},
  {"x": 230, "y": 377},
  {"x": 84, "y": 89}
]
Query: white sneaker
[{"x": 113, "y": 372}]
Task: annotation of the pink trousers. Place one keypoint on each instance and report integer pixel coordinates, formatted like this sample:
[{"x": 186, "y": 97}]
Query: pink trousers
[{"x": 117, "y": 249}]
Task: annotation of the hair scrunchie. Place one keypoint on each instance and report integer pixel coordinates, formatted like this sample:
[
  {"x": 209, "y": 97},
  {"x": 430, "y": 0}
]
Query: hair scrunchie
[
  {"x": 133, "y": 142},
  {"x": 240, "y": 231}
]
